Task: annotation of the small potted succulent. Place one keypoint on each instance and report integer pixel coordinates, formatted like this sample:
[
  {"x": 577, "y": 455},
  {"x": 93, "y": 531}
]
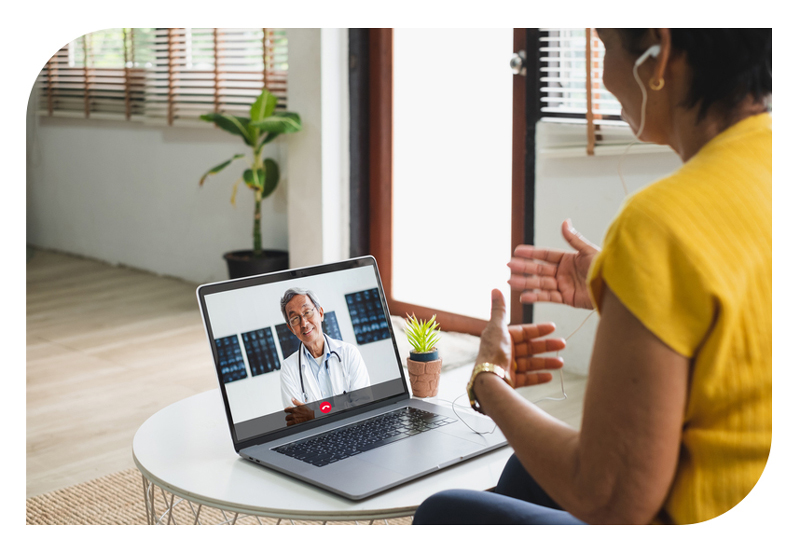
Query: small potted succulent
[
  {"x": 262, "y": 176},
  {"x": 424, "y": 363}
]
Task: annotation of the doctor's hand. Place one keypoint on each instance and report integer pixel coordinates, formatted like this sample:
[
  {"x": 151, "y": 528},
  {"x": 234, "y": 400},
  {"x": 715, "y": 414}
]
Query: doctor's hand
[
  {"x": 516, "y": 348},
  {"x": 544, "y": 274},
  {"x": 297, "y": 414}
]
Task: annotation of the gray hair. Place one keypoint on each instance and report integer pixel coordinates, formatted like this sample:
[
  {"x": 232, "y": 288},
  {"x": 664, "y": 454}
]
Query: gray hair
[{"x": 292, "y": 292}]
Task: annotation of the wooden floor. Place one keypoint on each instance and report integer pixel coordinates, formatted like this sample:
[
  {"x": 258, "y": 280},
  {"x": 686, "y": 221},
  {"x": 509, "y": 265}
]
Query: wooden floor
[{"x": 107, "y": 347}]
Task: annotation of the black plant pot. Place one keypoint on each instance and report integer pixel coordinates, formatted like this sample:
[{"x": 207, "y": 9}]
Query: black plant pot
[{"x": 242, "y": 263}]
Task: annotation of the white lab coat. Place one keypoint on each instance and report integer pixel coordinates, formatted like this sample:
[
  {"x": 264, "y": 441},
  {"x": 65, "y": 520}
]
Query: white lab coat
[{"x": 346, "y": 375}]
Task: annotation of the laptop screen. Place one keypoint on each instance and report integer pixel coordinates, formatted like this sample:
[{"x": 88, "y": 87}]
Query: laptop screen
[{"x": 301, "y": 345}]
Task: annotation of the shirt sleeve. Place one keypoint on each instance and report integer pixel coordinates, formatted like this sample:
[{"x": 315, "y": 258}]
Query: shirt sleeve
[{"x": 656, "y": 276}]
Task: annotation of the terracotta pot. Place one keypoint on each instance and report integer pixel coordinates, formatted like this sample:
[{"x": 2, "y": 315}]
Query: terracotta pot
[{"x": 424, "y": 377}]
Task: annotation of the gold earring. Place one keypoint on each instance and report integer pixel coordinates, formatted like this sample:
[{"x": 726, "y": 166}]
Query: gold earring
[{"x": 656, "y": 85}]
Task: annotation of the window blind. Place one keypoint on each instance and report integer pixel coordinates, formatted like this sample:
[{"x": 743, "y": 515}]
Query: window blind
[
  {"x": 164, "y": 75},
  {"x": 571, "y": 90},
  {"x": 565, "y": 79}
]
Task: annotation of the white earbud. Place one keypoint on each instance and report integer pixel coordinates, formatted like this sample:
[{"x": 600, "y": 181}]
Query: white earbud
[{"x": 652, "y": 51}]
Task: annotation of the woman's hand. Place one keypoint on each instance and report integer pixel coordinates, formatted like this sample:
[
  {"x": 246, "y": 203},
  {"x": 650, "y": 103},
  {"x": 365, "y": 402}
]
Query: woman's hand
[
  {"x": 556, "y": 276},
  {"x": 515, "y": 348}
]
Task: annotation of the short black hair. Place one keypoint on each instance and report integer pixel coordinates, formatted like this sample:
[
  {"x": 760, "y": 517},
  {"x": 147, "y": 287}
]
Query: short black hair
[{"x": 728, "y": 65}]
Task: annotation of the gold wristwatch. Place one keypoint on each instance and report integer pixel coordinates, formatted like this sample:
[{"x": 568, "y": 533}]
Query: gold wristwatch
[{"x": 485, "y": 368}]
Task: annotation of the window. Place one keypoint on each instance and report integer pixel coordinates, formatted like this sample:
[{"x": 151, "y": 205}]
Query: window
[
  {"x": 164, "y": 75},
  {"x": 451, "y": 166},
  {"x": 563, "y": 70},
  {"x": 553, "y": 93},
  {"x": 570, "y": 63},
  {"x": 445, "y": 239}
]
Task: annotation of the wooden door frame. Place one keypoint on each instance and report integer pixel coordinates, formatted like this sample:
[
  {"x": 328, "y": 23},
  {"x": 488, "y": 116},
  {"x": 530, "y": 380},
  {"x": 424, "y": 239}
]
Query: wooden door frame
[
  {"x": 519, "y": 200},
  {"x": 381, "y": 173},
  {"x": 358, "y": 81}
]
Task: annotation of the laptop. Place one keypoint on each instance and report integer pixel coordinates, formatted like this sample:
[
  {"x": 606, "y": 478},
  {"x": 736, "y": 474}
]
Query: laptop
[{"x": 321, "y": 394}]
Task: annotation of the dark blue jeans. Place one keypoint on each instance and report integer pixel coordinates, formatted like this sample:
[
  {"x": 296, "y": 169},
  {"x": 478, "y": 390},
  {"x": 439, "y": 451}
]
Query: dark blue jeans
[{"x": 517, "y": 499}]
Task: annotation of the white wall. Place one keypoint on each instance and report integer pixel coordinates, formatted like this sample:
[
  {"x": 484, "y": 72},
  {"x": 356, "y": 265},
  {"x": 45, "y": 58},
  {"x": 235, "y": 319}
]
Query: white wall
[
  {"x": 127, "y": 193},
  {"x": 318, "y": 156},
  {"x": 588, "y": 190}
]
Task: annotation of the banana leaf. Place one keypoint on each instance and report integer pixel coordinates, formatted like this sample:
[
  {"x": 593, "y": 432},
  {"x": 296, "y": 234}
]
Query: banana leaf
[
  {"x": 271, "y": 177},
  {"x": 218, "y": 168},
  {"x": 235, "y": 189},
  {"x": 232, "y": 124},
  {"x": 267, "y": 139},
  {"x": 263, "y": 106},
  {"x": 254, "y": 181},
  {"x": 279, "y": 123}
]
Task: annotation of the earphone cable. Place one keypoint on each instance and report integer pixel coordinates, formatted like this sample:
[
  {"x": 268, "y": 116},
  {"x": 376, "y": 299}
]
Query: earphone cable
[
  {"x": 560, "y": 374},
  {"x": 641, "y": 122}
]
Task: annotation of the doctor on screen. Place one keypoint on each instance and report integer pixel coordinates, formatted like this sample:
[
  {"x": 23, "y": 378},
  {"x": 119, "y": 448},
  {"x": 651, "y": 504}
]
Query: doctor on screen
[{"x": 323, "y": 366}]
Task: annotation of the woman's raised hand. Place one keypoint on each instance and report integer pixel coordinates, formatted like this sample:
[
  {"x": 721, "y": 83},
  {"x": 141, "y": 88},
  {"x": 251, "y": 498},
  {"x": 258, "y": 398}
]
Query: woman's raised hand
[
  {"x": 557, "y": 276},
  {"x": 519, "y": 348}
]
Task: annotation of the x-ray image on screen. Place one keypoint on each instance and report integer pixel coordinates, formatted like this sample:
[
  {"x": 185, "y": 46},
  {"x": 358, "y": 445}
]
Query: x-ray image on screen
[
  {"x": 261, "y": 351},
  {"x": 366, "y": 313},
  {"x": 290, "y": 343},
  {"x": 330, "y": 325},
  {"x": 230, "y": 359}
]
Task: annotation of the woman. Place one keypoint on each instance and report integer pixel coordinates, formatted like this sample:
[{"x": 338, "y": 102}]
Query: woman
[{"x": 677, "y": 420}]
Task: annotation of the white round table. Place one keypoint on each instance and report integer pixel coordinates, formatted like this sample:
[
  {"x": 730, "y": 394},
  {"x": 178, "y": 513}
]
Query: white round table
[{"x": 186, "y": 450}]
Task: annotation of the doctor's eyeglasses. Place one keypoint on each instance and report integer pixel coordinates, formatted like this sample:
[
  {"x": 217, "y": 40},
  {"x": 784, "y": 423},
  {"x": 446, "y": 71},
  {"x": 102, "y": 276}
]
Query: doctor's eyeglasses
[{"x": 307, "y": 314}]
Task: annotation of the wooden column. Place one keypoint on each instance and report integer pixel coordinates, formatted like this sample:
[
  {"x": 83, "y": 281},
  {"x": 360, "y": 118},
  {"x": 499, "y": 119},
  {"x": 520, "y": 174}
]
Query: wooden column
[
  {"x": 85, "y": 77},
  {"x": 518, "y": 196},
  {"x": 127, "y": 72},
  {"x": 589, "y": 110},
  {"x": 380, "y": 151},
  {"x": 216, "y": 70},
  {"x": 170, "y": 74}
]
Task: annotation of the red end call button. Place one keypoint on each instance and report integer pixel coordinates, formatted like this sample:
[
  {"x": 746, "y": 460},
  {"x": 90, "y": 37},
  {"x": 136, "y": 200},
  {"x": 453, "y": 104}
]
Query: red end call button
[{"x": 325, "y": 407}]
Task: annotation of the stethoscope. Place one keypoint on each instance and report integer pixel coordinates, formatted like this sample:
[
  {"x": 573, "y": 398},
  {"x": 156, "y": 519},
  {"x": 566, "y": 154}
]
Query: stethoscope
[{"x": 300, "y": 365}]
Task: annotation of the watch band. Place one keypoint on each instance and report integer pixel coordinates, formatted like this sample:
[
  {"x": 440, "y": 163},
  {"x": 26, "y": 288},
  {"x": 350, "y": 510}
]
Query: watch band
[{"x": 483, "y": 368}]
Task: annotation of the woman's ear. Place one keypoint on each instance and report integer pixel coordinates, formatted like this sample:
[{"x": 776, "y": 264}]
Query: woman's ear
[{"x": 664, "y": 39}]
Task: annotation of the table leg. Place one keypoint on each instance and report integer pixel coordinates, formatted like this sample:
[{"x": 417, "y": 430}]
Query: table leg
[{"x": 168, "y": 516}]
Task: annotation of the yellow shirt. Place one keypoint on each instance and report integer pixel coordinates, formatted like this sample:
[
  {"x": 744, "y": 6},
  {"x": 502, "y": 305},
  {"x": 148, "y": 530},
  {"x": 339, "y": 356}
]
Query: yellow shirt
[{"x": 691, "y": 257}]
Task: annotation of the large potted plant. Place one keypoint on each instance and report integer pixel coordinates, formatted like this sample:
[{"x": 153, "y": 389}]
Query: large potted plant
[{"x": 262, "y": 127}]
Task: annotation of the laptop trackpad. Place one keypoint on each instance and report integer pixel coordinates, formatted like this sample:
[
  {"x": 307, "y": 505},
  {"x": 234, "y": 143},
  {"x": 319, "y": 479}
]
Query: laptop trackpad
[{"x": 424, "y": 452}]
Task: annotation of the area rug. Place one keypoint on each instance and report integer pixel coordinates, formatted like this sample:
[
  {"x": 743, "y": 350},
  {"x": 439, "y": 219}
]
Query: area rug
[{"x": 118, "y": 498}]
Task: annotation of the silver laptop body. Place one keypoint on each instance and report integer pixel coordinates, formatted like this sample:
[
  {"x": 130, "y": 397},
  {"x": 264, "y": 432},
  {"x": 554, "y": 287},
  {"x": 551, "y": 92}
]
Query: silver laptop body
[{"x": 252, "y": 345}]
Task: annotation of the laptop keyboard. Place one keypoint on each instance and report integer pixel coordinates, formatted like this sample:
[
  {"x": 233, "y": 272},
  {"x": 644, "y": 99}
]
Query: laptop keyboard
[{"x": 362, "y": 436}]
